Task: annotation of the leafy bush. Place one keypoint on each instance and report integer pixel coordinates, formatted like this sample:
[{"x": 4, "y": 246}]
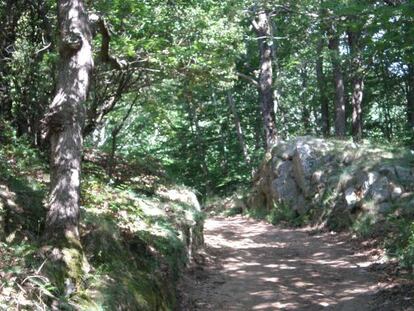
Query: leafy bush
[
  {"x": 363, "y": 226},
  {"x": 400, "y": 244},
  {"x": 283, "y": 213}
]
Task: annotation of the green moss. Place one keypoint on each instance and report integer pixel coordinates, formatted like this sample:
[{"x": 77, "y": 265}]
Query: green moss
[
  {"x": 66, "y": 264},
  {"x": 136, "y": 245}
]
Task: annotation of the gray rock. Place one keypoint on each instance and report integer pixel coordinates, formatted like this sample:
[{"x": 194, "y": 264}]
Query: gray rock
[
  {"x": 303, "y": 164},
  {"x": 380, "y": 190},
  {"x": 300, "y": 205},
  {"x": 370, "y": 179},
  {"x": 306, "y": 173},
  {"x": 347, "y": 160},
  {"x": 284, "y": 169},
  {"x": 317, "y": 177},
  {"x": 404, "y": 174},
  {"x": 396, "y": 192},
  {"x": 351, "y": 197},
  {"x": 284, "y": 151},
  {"x": 285, "y": 190},
  {"x": 388, "y": 171}
]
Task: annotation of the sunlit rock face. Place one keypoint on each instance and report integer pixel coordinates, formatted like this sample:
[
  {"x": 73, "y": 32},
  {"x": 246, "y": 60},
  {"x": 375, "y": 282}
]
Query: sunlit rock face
[{"x": 335, "y": 179}]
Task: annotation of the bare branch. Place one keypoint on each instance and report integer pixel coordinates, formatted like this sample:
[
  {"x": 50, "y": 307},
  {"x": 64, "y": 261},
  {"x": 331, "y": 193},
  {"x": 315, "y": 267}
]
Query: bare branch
[
  {"x": 255, "y": 25},
  {"x": 248, "y": 78},
  {"x": 100, "y": 25}
]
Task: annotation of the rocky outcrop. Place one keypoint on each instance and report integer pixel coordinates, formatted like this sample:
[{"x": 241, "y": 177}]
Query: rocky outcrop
[
  {"x": 191, "y": 226},
  {"x": 334, "y": 179}
]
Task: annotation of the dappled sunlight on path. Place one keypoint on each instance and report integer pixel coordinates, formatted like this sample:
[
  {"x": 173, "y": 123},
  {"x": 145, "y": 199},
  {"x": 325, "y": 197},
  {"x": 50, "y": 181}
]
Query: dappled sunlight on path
[{"x": 256, "y": 266}]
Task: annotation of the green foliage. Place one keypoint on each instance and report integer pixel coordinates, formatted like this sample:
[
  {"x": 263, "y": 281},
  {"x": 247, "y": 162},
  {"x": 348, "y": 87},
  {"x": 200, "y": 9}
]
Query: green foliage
[
  {"x": 185, "y": 58},
  {"x": 233, "y": 211},
  {"x": 282, "y": 213},
  {"x": 22, "y": 285},
  {"x": 364, "y": 225},
  {"x": 400, "y": 242},
  {"x": 135, "y": 244},
  {"x": 259, "y": 213}
]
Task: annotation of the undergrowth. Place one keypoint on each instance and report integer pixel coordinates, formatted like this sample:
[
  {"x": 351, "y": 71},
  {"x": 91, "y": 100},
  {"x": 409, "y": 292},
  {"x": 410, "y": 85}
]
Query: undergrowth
[{"x": 136, "y": 243}]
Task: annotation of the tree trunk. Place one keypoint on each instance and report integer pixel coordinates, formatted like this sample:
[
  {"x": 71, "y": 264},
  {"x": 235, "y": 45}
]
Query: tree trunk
[
  {"x": 354, "y": 39},
  {"x": 386, "y": 124},
  {"x": 239, "y": 130},
  {"x": 64, "y": 125},
  {"x": 264, "y": 32},
  {"x": 306, "y": 111},
  {"x": 111, "y": 158},
  {"x": 323, "y": 98},
  {"x": 224, "y": 154},
  {"x": 357, "y": 95},
  {"x": 340, "y": 117},
  {"x": 410, "y": 98}
]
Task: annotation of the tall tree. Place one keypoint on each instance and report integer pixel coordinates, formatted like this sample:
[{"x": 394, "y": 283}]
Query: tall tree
[
  {"x": 306, "y": 110},
  {"x": 410, "y": 97},
  {"x": 323, "y": 98},
  {"x": 321, "y": 82},
  {"x": 263, "y": 27},
  {"x": 339, "y": 100},
  {"x": 239, "y": 129},
  {"x": 354, "y": 41},
  {"x": 64, "y": 124}
]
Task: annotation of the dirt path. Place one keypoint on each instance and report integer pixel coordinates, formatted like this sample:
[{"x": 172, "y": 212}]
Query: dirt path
[{"x": 253, "y": 265}]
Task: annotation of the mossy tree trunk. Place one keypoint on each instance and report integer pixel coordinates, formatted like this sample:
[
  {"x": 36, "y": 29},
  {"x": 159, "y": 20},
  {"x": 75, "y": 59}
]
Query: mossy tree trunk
[{"x": 64, "y": 124}]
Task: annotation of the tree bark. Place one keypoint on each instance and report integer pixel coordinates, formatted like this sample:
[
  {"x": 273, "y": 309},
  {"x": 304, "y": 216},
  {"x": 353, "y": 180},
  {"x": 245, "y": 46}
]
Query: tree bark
[
  {"x": 306, "y": 112},
  {"x": 410, "y": 98},
  {"x": 354, "y": 40},
  {"x": 386, "y": 124},
  {"x": 264, "y": 33},
  {"x": 339, "y": 101},
  {"x": 239, "y": 130},
  {"x": 357, "y": 96},
  {"x": 323, "y": 98},
  {"x": 64, "y": 124}
]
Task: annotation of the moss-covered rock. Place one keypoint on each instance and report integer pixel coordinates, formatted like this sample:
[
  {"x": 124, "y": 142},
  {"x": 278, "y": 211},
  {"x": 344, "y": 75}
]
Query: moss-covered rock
[{"x": 333, "y": 182}]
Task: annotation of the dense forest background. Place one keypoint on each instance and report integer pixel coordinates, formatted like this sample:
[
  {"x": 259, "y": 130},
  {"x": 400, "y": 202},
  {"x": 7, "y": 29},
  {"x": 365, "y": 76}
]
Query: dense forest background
[
  {"x": 148, "y": 96},
  {"x": 184, "y": 81}
]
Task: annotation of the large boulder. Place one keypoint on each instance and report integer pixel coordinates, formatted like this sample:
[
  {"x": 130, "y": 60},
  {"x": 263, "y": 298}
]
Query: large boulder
[{"x": 307, "y": 173}]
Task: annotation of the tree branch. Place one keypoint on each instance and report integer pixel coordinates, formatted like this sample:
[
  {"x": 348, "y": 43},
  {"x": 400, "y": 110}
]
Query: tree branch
[
  {"x": 100, "y": 25},
  {"x": 248, "y": 78}
]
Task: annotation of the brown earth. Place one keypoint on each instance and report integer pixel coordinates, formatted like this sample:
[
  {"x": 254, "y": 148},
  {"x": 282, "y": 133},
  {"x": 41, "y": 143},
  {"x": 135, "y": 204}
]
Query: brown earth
[{"x": 252, "y": 265}]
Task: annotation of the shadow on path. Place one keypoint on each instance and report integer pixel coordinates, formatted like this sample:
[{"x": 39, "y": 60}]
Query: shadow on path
[{"x": 256, "y": 266}]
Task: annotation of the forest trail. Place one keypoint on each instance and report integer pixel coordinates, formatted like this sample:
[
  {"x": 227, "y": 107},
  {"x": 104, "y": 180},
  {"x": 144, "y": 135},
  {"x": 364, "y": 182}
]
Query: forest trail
[{"x": 252, "y": 265}]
